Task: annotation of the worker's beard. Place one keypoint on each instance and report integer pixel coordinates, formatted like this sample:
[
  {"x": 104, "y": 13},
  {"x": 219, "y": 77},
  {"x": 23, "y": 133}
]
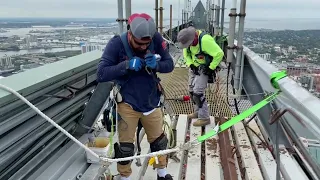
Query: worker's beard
[{"x": 140, "y": 51}]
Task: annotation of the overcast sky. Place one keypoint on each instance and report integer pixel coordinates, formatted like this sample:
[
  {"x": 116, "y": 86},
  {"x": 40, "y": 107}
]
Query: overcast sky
[{"x": 108, "y": 8}]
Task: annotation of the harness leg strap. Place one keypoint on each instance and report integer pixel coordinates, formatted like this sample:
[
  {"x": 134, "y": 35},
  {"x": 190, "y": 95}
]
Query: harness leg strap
[
  {"x": 123, "y": 150},
  {"x": 159, "y": 144},
  {"x": 197, "y": 99}
]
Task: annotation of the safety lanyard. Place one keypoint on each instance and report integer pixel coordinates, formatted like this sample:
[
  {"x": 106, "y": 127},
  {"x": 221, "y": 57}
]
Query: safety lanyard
[{"x": 274, "y": 78}]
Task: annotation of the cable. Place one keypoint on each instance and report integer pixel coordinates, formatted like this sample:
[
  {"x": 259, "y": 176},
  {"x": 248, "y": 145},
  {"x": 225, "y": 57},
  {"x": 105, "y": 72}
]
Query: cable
[
  {"x": 104, "y": 159},
  {"x": 227, "y": 92}
]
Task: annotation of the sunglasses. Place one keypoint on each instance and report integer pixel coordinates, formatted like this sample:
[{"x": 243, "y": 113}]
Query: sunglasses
[{"x": 141, "y": 44}]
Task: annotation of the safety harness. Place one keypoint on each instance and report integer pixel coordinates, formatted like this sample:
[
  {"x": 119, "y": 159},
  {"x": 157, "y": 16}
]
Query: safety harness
[
  {"x": 129, "y": 54},
  {"x": 207, "y": 57}
]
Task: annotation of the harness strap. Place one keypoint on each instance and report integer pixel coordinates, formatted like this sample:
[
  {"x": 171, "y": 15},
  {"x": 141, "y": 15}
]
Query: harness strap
[
  {"x": 129, "y": 53},
  {"x": 200, "y": 44}
]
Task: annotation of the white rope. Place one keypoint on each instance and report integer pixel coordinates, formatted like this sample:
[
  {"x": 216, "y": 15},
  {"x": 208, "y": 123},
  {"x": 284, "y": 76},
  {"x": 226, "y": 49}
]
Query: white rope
[{"x": 104, "y": 159}]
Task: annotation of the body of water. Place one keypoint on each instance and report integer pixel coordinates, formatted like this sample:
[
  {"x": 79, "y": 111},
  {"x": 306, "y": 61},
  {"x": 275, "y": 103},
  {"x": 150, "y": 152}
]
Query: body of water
[
  {"x": 22, "y": 32},
  {"x": 33, "y": 51}
]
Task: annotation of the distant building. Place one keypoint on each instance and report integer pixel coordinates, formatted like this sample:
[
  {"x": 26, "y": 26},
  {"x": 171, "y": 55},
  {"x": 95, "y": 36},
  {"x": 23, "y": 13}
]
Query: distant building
[
  {"x": 277, "y": 49},
  {"x": 296, "y": 70},
  {"x": 199, "y": 16},
  {"x": 292, "y": 49},
  {"x": 6, "y": 62},
  {"x": 91, "y": 47},
  {"x": 316, "y": 81},
  {"x": 266, "y": 56}
]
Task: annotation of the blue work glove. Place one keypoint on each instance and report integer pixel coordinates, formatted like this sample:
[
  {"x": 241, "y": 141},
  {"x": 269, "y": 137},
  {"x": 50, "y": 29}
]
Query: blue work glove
[
  {"x": 135, "y": 64},
  {"x": 151, "y": 61}
]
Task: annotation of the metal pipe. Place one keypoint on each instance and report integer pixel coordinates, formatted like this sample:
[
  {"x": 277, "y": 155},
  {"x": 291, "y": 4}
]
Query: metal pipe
[
  {"x": 182, "y": 18},
  {"x": 208, "y": 15},
  {"x": 187, "y": 17},
  {"x": 128, "y": 9},
  {"x": 217, "y": 18},
  {"x": 214, "y": 17},
  {"x": 239, "y": 58},
  {"x": 170, "y": 33},
  {"x": 241, "y": 73},
  {"x": 161, "y": 16},
  {"x": 222, "y": 20},
  {"x": 157, "y": 14},
  {"x": 120, "y": 16},
  {"x": 232, "y": 26},
  {"x": 178, "y": 12}
]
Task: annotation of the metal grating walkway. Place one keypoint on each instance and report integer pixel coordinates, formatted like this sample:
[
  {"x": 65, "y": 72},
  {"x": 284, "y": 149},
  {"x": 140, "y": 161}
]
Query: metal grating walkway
[{"x": 175, "y": 85}]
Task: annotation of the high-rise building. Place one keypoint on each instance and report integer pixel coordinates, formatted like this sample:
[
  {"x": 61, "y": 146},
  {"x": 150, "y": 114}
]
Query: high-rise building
[{"x": 6, "y": 62}]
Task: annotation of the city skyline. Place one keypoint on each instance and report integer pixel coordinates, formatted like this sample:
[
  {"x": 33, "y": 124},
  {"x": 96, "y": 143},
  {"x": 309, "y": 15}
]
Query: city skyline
[{"x": 108, "y": 9}]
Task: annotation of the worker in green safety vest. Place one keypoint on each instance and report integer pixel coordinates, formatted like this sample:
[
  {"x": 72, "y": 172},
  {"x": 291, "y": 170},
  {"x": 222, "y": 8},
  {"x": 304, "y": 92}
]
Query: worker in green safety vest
[{"x": 202, "y": 55}]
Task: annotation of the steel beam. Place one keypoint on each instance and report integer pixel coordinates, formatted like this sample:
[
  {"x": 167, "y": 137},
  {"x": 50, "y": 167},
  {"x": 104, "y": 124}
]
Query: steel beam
[{"x": 228, "y": 167}]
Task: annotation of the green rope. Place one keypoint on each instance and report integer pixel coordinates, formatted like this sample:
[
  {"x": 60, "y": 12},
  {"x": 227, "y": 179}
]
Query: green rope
[{"x": 274, "y": 78}]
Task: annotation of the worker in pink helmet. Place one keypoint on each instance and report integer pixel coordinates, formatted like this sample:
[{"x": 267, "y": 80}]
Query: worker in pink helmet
[{"x": 131, "y": 61}]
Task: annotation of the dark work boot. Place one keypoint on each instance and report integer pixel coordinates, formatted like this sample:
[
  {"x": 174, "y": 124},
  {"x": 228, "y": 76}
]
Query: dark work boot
[{"x": 167, "y": 177}]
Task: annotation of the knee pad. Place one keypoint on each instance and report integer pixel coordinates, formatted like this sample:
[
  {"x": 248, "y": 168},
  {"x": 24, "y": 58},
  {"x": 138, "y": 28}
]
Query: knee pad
[
  {"x": 159, "y": 144},
  {"x": 197, "y": 99},
  {"x": 122, "y": 150}
]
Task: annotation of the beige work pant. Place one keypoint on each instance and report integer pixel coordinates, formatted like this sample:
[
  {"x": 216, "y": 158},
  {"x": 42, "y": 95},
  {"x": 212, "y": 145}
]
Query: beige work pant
[{"x": 152, "y": 125}]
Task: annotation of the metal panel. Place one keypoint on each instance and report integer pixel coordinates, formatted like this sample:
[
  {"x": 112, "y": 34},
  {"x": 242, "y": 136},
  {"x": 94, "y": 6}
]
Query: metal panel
[
  {"x": 249, "y": 162},
  {"x": 45, "y": 90},
  {"x": 38, "y": 78},
  {"x": 54, "y": 157},
  {"x": 194, "y": 156},
  {"x": 290, "y": 169},
  {"x": 57, "y": 168},
  {"x": 32, "y": 164},
  {"x": 91, "y": 173},
  {"x": 32, "y": 124},
  {"x": 27, "y": 113},
  {"x": 76, "y": 169},
  {"x": 267, "y": 163},
  {"x": 212, "y": 153},
  {"x": 23, "y": 145}
]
